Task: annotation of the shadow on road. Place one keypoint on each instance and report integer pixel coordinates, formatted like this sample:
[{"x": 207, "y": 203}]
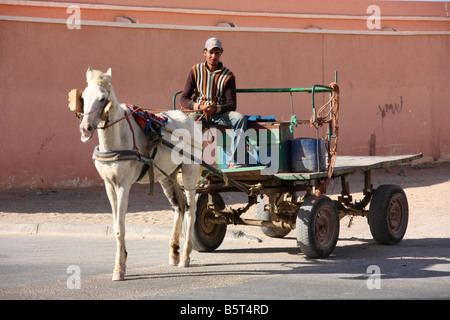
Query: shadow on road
[{"x": 411, "y": 259}]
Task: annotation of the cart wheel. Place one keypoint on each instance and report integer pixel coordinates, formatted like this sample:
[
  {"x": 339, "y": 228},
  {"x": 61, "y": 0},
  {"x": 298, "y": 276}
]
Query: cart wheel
[
  {"x": 273, "y": 232},
  {"x": 317, "y": 227},
  {"x": 388, "y": 214},
  {"x": 207, "y": 236}
]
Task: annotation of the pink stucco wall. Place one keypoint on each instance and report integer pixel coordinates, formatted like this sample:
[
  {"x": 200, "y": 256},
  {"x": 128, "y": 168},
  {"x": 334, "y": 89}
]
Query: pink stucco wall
[
  {"x": 395, "y": 93},
  {"x": 325, "y": 14}
]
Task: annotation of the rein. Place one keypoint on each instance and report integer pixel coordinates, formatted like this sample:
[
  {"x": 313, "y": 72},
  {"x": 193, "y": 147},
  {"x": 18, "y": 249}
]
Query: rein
[{"x": 107, "y": 124}]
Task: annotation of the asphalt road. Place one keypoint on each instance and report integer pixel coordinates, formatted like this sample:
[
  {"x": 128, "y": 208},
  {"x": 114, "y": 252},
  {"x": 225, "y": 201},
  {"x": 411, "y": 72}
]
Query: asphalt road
[{"x": 80, "y": 267}]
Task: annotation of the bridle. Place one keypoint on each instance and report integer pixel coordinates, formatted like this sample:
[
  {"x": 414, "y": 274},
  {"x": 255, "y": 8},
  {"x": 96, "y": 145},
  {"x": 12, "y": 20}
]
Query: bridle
[
  {"x": 104, "y": 116},
  {"x": 108, "y": 103}
]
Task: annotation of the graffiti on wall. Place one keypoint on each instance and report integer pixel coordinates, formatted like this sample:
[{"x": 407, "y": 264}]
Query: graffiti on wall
[{"x": 390, "y": 108}]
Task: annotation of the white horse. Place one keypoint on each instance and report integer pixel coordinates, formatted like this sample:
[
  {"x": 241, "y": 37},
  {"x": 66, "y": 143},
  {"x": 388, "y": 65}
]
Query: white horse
[{"x": 120, "y": 175}]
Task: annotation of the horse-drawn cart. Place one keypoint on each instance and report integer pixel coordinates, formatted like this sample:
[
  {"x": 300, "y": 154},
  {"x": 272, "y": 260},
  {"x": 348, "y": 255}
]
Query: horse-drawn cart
[
  {"x": 294, "y": 197},
  {"x": 280, "y": 208},
  {"x": 287, "y": 179}
]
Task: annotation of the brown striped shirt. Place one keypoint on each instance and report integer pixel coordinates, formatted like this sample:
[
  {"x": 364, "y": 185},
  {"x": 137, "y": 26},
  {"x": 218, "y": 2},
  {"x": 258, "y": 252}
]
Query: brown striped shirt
[{"x": 205, "y": 87}]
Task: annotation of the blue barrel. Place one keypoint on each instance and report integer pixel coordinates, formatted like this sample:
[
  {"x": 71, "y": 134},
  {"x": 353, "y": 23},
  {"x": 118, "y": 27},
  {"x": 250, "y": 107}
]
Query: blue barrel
[{"x": 304, "y": 156}]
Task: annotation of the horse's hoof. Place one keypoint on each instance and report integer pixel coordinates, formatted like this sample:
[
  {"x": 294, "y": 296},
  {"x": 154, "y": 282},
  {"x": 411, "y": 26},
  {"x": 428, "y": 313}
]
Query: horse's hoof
[
  {"x": 174, "y": 261},
  {"x": 118, "y": 276},
  {"x": 184, "y": 264}
]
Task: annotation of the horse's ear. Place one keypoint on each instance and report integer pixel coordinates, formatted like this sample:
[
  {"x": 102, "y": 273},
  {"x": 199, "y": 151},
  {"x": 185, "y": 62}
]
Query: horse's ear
[
  {"x": 89, "y": 73},
  {"x": 108, "y": 73}
]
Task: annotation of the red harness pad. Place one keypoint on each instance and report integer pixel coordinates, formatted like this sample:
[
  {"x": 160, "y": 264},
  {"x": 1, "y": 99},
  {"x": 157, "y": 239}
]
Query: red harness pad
[{"x": 147, "y": 121}]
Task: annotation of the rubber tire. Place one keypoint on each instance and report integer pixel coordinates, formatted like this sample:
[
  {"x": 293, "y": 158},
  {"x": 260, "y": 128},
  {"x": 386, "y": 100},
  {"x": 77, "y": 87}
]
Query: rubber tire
[
  {"x": 207, "y": 241},
  {"x": 307, "y": 235},
  {"x": 388, "y": 198},
  {"x": 273, "y": 232}
]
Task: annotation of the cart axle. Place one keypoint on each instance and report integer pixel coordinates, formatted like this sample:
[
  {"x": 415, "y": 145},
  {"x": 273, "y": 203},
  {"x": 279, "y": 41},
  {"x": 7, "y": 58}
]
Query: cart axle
[{"x": 252, "y": 222}]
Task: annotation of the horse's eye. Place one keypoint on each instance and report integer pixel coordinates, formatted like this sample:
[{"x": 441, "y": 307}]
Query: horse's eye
[{"x": 102, "y": 100}]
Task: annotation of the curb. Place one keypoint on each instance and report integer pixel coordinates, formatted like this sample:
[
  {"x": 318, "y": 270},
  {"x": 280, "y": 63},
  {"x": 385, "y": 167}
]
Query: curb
[
  {"x": 80, "y": 229},
  {"x": 99, "y": 230}
]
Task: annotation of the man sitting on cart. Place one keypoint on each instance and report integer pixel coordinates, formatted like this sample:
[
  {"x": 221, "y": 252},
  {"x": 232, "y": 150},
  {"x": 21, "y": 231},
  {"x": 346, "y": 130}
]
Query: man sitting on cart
[{"x": 210, "y": 95}]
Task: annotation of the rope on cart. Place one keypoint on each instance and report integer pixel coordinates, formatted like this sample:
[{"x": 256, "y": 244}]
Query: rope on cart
[{"x": 331, "y": 116}]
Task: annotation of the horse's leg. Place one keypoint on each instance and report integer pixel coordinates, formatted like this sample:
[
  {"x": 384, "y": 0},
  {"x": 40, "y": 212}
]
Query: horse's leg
[
  {"x": 178, "y": 209},
  {"x": 190, "y": 174},
  {"x": 123, "y": 193},
  {"x": 111, "y": 192},
  {"x": 190, "y": 220}
]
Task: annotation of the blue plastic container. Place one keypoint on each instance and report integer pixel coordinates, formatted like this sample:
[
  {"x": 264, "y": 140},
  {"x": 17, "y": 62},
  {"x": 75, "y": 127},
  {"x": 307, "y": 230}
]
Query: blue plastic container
[{"x": 308, "y": 155}]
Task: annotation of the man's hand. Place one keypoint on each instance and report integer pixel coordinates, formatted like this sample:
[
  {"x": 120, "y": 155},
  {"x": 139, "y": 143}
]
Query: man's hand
[
  {"x": 208, "y": 109},
  {"x": 186, "y": 110}
]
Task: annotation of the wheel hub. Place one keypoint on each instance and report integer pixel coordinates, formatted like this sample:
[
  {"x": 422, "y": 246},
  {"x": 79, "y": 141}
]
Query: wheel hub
[
  {"x": 324, "y": 227},
  {"x": 396, "y": 215},
  {"x": 207, "y": 227}
]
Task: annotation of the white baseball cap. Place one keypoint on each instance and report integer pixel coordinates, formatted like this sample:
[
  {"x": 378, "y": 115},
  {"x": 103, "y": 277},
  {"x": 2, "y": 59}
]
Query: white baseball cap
[{"x": 213, "y": 43}]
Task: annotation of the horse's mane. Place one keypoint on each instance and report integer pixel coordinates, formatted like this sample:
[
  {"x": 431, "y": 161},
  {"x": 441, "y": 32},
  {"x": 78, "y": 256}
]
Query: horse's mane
[{"x": 100, "y": 78}]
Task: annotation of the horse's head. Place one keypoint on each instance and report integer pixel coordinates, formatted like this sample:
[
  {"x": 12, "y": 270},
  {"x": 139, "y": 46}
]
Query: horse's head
[{"x": 96, "y": 101}]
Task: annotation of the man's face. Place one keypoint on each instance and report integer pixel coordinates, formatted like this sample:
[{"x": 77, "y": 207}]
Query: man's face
[{"x": 213, "y": 56}]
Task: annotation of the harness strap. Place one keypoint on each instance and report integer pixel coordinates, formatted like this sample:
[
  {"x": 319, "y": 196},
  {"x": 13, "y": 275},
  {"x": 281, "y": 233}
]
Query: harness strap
[
  {"x": 151, "y": 174},
  {"x": 120, "y": 155},
  {"x": 135, "y": 148},
  {"x": 127, "y": 155}
]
